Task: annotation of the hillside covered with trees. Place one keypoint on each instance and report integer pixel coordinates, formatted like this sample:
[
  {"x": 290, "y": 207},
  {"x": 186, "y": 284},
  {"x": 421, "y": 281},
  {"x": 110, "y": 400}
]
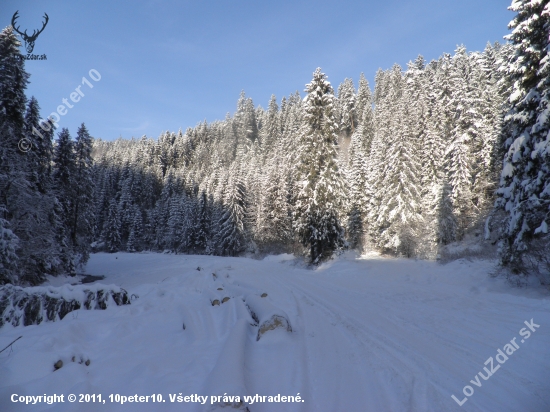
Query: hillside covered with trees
[{"x": 432, "y": 152}]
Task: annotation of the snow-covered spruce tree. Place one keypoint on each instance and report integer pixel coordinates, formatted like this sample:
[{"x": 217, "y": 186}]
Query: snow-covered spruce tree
[
  {"x": 274, "y": 225},
  {"x": 524, "y": 192},
  {"x": 250, "y": 168},
  {"x": 41, "y": 155},
  {"x": 105, "y": 191},
  {"x": 291, "y": 128},
  {"x": 246, "y": 127},
  {"x": 346, "y": 113},
  {"x": 442, "y": 214},
  {"x": 13, "y": 82},
  {"x": 492, "y": 107},
  {"x": 218, "y": 211},
  {"x": 357, "y": 177},
  {"x": 8, "y": 256},
  {"x": 202, "y": 224},
  {"x": 418, "y": 95},
  {"x": 188, "y": 205},
  {"x": 161, "y": 159},
  {"x": 463, "y": 137},
  {"x": 359, "y": 149},
  {"x": 161, "y": 213},
  {"x": 271, "y": 129},
  {"x": 82, "y": 219},
  {"x": 126, "y": 199},
  {"x": 231, "y": 237},
  {"x": 175, "y": 225},
  {"x": 63, "y": 173},
  {"x": 398, "y": 216},
  {"x": 432, "y": 155},
  {"x": 135, "y": 238},
  {"x": 111, "y": 235},
  {"x": 32, "y": 117},
  {"x": 38, "y": 230},
  {"x": 381, "y": 118},
  {"x": 363, "y": 98},
  {"x": 320, "y": 187},
  {"x": 131, "y": 243},
  {"x": 359, "y": 167},
  {"x": 288, "y": 156}
]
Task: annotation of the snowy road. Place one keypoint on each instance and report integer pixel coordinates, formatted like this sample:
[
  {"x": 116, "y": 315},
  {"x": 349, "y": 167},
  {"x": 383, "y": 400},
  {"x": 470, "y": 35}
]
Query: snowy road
[{"x": 368, "y": 334}]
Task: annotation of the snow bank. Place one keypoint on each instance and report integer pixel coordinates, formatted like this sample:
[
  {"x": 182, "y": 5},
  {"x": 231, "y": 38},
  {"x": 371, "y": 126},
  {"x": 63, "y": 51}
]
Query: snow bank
[{"x": 32, "y": 306}]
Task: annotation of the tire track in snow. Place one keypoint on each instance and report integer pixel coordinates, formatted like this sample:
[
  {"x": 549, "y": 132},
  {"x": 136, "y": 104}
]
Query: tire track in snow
[
  {"x": 404, "y": 372},
  {"x": 245, "y": 366},
  {"x": 319, "y": 340}
]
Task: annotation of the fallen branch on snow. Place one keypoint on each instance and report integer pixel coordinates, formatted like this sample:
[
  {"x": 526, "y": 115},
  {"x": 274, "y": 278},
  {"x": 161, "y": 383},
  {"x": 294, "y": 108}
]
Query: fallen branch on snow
[{"x": 11, "y": 344}]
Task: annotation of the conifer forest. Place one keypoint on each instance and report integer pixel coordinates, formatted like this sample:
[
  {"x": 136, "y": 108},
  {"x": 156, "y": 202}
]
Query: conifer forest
[{"x": 428, "y": 155}]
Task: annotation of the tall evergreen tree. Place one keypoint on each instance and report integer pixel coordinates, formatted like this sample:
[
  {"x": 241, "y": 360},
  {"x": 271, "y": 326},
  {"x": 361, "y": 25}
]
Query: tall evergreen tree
[
  {"x": 81, "y": 225},
  {"x": 364, "y": 97},
  {"x": 271, "y": 130},
  {"x": 524, "y": 191},
  {"x": 398, "y": 216},
  {"x": 231, "y": 238},
  {"x": 359, "y": 188},
  {"x": 442, "y": 215},
  {"x": 63, "y": 179},
  {"x": 346, "y": 108},
  {"x": 41, "y": 254},
  {"x": 202, "y": 226},
  {"x": 14, "y": 184},
  {"x": 9, "y": 242},
  {"x": 111, "y": 235},
  {"x": 275, "y": 226},
  {"x": 463, "y": 137},
  {"x": 64, "y": 160},
  {"x": 63, "y": 174},
  {"x": 246, "y": 126},
  {"x": 13, "y": 83},
  {"x": 175, "y": 226},
  {"x": 33, "y": 162},
  {"x": 320, "y": 184}
]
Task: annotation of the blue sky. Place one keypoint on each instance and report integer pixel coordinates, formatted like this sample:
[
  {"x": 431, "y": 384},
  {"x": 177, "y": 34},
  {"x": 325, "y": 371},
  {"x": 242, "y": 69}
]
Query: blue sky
[{"x": 167, "y": 65}]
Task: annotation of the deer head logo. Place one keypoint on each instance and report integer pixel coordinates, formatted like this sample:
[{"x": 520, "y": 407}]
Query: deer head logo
[{"x": 29, "y": 40}]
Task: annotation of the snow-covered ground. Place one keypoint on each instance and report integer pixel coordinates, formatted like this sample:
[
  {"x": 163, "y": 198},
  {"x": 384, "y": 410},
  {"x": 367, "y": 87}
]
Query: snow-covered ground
[{"x": 356, "y": 334}]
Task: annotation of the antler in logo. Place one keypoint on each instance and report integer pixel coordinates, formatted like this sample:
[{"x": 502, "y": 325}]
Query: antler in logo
[{"x": 29, "y": 40}]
